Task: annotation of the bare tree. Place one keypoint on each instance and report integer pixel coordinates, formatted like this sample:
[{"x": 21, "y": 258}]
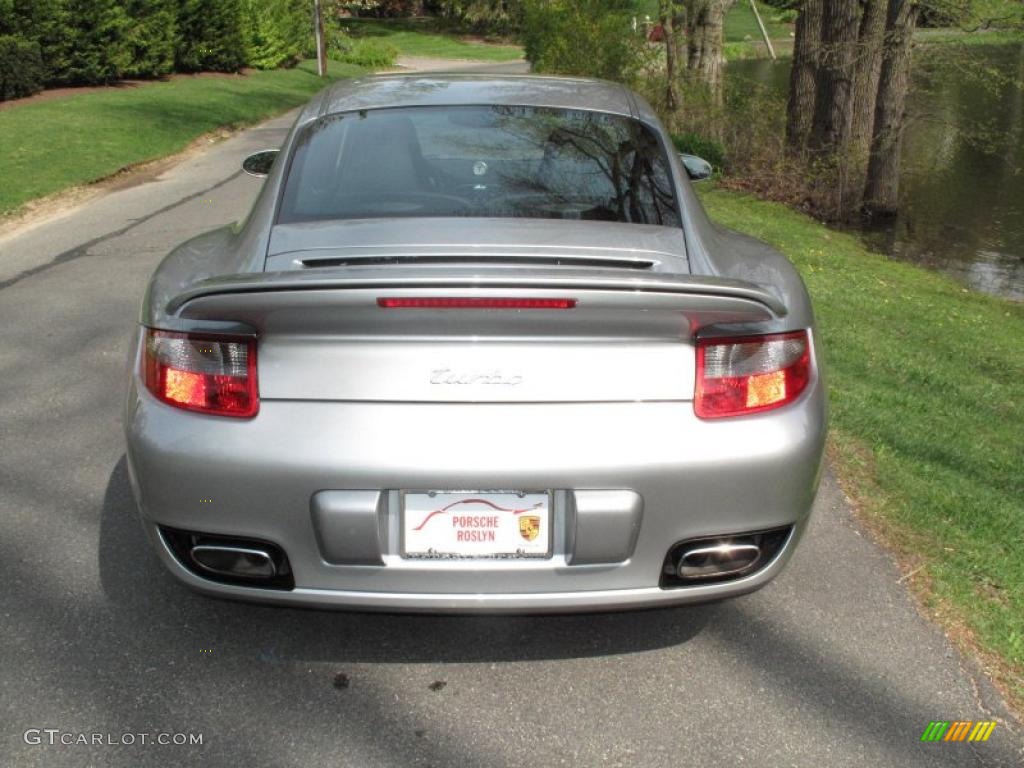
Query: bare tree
[
  {"x": 705, "y": 25},
  {"x": 867, "y": 65},
  {"x": 848, "y": 92},
  {"x": 667, "y": 12},
  {"x": 881, "y": 191},
  {"x": 848, "y": 88},
  {"x": 803, "y": 77},
  {"x": 833, "y": 104}
]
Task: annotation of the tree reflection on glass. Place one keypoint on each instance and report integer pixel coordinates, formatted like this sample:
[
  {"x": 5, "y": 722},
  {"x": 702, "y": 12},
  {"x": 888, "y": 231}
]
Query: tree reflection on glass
[{"x": 483, "y": 161}]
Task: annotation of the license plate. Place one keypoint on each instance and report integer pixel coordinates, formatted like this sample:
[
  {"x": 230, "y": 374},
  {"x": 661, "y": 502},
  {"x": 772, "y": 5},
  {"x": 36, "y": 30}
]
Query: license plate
[{"x": 491, "y": 524}]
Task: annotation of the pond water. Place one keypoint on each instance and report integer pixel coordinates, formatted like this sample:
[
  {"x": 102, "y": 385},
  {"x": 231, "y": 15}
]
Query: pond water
[{"x": 962, "y": 208}]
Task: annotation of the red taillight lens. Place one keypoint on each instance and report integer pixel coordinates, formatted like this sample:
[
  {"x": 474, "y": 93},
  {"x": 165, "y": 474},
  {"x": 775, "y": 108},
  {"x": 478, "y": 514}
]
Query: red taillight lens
[
  {"x": 471, "y": 302},
  {"x": 737, "y": 376},
  {"x": 208, "y": 374}
]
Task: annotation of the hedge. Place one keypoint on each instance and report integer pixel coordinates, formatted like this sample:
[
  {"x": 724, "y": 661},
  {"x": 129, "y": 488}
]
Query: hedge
[
  {"x": 21, "y": 68},
  {"x": 278, "y": 32},
  {"x": 93, "y": 42}
]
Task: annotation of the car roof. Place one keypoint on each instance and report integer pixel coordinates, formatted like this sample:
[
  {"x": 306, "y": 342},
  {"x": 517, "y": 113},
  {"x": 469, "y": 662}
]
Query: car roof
[{"x": 381, "y": 91}]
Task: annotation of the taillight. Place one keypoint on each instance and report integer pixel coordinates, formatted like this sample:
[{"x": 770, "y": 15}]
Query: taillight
[
  {"x": 209, "y": 374},
  {"x": 737, "y": 376}
]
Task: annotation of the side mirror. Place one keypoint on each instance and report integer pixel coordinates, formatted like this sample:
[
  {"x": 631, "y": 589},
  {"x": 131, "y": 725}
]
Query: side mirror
[
  {"x": 697, "y": 168},
  {"x": 260, "y": 163}
]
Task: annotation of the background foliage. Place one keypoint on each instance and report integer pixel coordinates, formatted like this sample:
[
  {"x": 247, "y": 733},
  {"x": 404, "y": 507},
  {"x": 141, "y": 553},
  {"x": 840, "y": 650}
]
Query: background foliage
[
  {"x": 278, "y": 32},
  {"x": 21, "y": 68},
  {"x": 210, "y": 36},
  {"x": 491, "y": 17},
  {"x": 583, "y": 37},
  {"x": 93, "y": 42},
  {"x": 149, "y": 37}
]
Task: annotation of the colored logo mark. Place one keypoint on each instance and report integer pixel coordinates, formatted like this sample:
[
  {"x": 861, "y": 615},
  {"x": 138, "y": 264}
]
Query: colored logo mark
[
  {"x": 529, "y": 527},
  {"x": 958, "y": 730}
]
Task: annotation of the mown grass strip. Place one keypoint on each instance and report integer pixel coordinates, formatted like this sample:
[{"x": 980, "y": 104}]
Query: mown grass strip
[
  {"x": 50, "y": 145},
  {"x": 740, "y": 23},
  {"x": 419, "y": 37},
  {"x": 926, "y": 383}
]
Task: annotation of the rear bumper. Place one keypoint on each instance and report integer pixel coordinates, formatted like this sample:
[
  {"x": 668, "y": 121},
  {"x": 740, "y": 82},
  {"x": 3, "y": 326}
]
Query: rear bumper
[
  {"x": 257, "y": 479},
  {"x": 579, "y": 601}
]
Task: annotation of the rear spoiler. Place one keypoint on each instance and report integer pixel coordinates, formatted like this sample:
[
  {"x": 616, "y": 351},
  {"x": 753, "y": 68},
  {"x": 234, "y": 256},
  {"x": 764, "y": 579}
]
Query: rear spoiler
[{"x": 761, "y": 304}]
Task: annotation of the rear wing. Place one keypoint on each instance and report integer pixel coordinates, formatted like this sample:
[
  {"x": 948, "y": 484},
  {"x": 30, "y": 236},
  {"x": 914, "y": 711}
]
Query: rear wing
[{"x": 248, "y": 298}]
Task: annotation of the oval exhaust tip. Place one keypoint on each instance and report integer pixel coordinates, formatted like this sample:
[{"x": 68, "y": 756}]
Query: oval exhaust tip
[
  {"x": 243, "y": 562},
  {"x": 723, "y": 559}
]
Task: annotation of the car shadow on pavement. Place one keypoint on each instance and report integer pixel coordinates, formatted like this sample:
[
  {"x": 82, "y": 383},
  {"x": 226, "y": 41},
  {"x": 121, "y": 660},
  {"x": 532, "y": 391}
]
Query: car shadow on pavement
[
  {"x": 851, "y": 699},
  {"x": 149, "y": 599}
]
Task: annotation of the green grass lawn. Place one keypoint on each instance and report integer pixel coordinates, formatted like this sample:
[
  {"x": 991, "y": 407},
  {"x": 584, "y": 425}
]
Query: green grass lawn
[
  {"x": 742, "y": 37},
  {"x": 958, "y": 36},
  {"x": 740, "y": 23},
  {"x": 926, "y": 382},
  {"x": 50, "y": 145},
  {"x": 420, "y": 37}
]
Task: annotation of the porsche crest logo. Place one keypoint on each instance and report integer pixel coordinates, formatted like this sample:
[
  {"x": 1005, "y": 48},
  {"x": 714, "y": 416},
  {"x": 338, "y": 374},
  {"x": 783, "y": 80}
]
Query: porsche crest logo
[{"x": 529, "y": 527}]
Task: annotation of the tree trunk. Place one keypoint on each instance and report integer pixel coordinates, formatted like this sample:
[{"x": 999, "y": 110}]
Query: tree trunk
[
  {"x": 696, "y": 13},
  {"x": 321, "y": 42},
  {"x": 705, "y": 30},
  {"x": 833, "y": 106},
  {"x": 803, "y": 75},
  {"x": 881, "y": 192},
  {"x": 867, "y": 68},
  {"x": 1015, "y": 113},
  {"x": 671, "y": 53}
]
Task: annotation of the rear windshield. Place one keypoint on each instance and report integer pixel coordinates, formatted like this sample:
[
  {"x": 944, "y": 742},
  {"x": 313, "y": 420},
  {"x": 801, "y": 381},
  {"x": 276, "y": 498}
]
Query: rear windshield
[{"x": 494, "y": 161}]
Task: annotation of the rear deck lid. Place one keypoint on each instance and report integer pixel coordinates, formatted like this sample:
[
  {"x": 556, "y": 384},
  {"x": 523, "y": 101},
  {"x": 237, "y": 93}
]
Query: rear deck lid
[{"x": 504, "y": 334}]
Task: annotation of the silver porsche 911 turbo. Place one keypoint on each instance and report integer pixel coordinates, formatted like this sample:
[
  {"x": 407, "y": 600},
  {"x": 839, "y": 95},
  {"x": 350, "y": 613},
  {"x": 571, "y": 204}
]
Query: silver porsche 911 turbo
[{"x": 477, "y": 347}]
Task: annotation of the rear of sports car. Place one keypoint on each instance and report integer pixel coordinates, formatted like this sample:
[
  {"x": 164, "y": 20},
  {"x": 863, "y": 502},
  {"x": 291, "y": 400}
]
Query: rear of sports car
[
  {"x": 498, "y": 405},
  {"x": 410, "y": 443}
]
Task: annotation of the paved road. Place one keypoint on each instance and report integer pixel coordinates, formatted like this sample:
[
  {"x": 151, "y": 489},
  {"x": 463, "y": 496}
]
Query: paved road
[{"x": 831, "y": 665}]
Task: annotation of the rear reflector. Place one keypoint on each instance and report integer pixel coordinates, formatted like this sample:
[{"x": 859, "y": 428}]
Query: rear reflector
[
  {"x": 209, "y": 374},
  {"x": 469, "y": 302},
  {"x": 737, "y": 376}
]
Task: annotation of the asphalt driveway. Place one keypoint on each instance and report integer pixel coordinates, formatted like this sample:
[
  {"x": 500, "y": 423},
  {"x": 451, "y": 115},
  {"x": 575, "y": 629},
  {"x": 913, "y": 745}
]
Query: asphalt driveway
[{"x": 831, "y": 665}]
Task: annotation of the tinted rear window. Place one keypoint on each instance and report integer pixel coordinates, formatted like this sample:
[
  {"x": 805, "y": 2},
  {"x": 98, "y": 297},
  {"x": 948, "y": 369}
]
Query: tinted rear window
[{"x": 482, "y": 161}]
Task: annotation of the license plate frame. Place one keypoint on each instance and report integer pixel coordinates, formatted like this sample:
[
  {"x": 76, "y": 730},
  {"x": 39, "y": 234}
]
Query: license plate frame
[{"x": 518, "y": 514}]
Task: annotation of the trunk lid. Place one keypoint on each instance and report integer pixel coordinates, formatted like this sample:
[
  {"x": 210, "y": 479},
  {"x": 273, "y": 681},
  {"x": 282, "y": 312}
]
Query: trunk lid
[{"x": 323, "y": 335}]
